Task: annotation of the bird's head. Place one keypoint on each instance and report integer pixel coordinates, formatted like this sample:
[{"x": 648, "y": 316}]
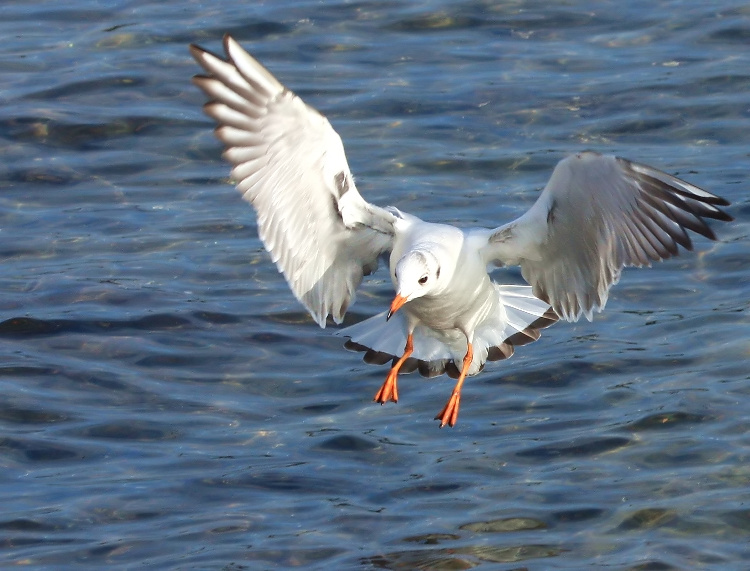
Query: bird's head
[{"x": 416, "y": 274}]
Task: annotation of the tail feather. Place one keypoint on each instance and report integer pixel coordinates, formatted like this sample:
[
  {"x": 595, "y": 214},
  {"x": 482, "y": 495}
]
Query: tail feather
[
  {"x": 389, "y": 336},
  {"x": 383, "y": 340},
  {"x": 520, "y": 304}
]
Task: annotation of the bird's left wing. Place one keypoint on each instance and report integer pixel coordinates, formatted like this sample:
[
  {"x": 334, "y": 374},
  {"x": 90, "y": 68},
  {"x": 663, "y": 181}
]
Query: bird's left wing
[
  {"x": 596, "y": 215},
  {"x": 289, "y": 163}
]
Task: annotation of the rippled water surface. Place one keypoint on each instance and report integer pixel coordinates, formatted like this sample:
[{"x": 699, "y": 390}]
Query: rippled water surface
[{"x": 167, "y": 404}]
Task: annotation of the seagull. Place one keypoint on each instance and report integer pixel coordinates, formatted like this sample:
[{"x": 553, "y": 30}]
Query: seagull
[{"x": 596, "y": 215}]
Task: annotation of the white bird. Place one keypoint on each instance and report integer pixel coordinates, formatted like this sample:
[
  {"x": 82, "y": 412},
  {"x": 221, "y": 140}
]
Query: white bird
[{"x": 596, "y": 215}]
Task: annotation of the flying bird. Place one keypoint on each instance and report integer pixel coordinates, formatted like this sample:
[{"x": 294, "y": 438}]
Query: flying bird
[{"x": 596, "y": 215}]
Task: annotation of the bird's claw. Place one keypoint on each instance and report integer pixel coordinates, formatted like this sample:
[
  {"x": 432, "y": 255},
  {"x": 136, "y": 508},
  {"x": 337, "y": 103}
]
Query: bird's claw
[
  {"x": 389, "y": 390},
  {"x": 449, "y": 414}
]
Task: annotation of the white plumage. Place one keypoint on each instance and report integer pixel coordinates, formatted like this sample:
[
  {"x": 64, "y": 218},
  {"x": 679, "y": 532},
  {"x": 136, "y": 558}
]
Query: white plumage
[{"x": 596, "y": 215}]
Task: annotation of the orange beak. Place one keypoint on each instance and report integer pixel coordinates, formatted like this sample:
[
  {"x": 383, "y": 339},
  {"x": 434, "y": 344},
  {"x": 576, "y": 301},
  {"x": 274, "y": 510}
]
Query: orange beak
[{"x": 396, "y": 304}]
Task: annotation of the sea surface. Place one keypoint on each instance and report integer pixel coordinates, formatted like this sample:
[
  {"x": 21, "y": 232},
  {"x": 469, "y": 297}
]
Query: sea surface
[{"x": 165, "y": 403}]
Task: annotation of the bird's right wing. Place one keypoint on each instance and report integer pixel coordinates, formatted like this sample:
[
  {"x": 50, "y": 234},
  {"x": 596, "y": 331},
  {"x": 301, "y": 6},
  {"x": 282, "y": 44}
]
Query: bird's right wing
[{"x": 289, "y": 163}]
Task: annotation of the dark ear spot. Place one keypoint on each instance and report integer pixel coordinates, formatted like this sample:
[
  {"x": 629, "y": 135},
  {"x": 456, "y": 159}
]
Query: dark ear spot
[{"x": 437, "y": 273}]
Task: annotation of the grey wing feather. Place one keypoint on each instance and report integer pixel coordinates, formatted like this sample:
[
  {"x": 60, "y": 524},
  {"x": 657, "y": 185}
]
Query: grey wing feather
[
  {"x": 290, "y": 164},
  {"x": 596, "y": 215}
]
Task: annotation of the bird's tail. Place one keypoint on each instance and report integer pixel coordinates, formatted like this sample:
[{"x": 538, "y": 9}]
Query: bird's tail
[{"x": 383, "y": 341}]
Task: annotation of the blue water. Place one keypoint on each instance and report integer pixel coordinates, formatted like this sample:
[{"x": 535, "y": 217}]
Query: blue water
[{"x": 167, "y": 404}]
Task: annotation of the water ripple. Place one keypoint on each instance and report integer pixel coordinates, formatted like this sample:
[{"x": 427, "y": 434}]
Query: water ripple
[{"x": 168, "y": 404}]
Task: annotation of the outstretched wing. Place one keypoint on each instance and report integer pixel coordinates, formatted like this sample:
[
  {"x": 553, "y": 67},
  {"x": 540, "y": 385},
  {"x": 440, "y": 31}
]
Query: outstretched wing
[
  {"x": 289, "y": 163},
  {"x": 596, "y": 215}
]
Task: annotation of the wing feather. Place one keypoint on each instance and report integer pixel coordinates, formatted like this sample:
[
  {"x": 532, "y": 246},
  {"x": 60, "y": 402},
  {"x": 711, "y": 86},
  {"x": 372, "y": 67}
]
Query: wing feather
[
  {"x": 596, "y": 215},
  {"x": 289, "y": 163}
]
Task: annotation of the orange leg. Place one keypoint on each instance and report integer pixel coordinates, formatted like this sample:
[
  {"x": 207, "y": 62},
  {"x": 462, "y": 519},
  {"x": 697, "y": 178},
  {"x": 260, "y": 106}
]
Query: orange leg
[
  {"x": 449, "y": 414},
  {"x": 389, "y": 390}
]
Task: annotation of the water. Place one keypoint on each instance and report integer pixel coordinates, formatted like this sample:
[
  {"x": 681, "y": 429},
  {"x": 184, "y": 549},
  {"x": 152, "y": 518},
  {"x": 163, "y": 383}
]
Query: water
[{"x": 167, "y": 404}]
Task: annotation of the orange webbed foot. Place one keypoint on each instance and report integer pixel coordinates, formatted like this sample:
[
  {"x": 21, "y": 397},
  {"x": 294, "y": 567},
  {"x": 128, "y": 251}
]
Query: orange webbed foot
[
  {"x": 389, "y": 390},
  {"x": 449, "y": 414}
]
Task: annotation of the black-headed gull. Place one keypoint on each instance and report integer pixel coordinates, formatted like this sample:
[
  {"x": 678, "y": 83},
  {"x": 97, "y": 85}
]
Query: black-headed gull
[{"x": 596, "y": 215}]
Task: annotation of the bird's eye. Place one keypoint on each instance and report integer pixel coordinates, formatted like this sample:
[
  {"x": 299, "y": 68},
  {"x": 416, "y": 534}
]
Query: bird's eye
[{"x": 423, "y": 280}]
